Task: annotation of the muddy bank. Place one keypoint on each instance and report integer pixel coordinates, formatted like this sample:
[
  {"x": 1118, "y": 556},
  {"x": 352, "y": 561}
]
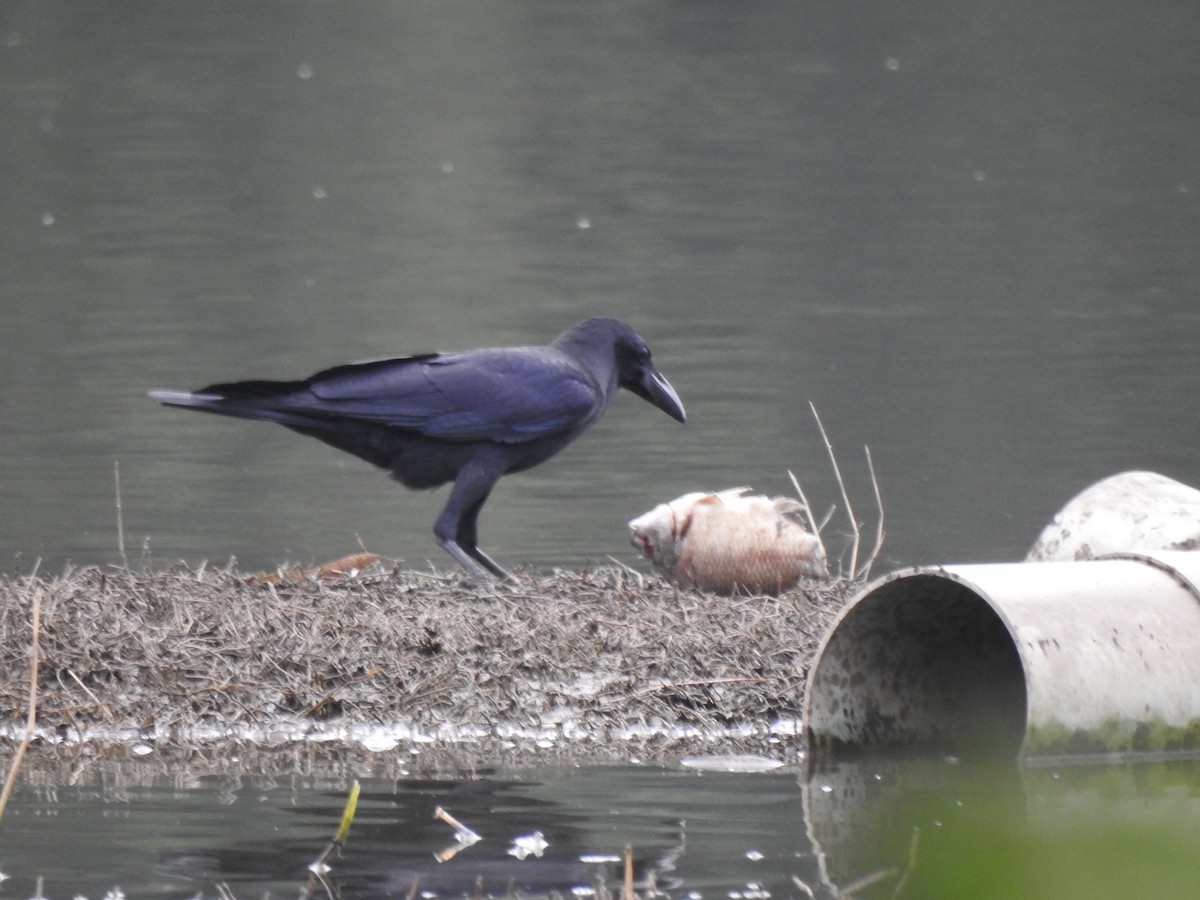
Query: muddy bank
[{"x": 601, "y": 663}]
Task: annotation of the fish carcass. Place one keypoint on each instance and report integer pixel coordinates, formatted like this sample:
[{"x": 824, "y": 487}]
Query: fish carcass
[{"x": 728, "y": 542}]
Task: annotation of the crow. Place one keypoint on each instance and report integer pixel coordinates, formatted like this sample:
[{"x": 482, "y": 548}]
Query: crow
[{"x": 468, "y": 417}]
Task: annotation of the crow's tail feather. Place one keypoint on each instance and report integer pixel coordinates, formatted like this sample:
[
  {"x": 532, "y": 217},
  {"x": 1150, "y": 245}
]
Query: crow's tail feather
[{"x": 245, "y": 400}]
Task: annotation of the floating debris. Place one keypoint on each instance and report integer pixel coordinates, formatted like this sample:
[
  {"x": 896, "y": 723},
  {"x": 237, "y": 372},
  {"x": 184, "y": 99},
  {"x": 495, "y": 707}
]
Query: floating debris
[
  {"x": 599, "y": 859},
  {"x": 464, "y": 837},
  {"x": 730, "y": 763},
  {"x": 379, "y": 742},
  {"x": 730, "y": 542},
  {"x": 319, "y": 868},
  {"x": 528, "y": 845}
]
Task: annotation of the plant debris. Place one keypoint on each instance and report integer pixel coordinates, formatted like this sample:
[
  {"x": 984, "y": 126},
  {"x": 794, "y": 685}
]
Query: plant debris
[{"x": 595, "y": 663}]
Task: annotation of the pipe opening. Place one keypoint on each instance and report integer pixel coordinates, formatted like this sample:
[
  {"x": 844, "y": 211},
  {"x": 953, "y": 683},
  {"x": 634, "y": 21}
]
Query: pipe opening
[{"x": 921, "y": 663}]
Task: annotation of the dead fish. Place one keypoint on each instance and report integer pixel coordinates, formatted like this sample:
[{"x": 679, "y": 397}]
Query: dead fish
[{"x": 727, "y": 542}]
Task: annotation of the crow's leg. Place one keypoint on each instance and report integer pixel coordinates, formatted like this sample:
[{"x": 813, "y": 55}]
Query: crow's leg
[
  {"x": 466, "y": 541},
  {"x": 456, "y": 526},
  {"x": 473, "y": 568}
]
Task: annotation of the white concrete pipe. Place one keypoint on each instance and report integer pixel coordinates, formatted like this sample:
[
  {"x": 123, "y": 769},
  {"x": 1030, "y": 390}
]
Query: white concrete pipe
[
  {"x": 1037, "y": 659},
  {"x": 1129, "y": 511}
]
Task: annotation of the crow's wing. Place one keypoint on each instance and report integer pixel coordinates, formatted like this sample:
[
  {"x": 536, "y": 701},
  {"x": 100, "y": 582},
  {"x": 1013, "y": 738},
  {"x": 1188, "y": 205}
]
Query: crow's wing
[{"x": 507, "y": 395}]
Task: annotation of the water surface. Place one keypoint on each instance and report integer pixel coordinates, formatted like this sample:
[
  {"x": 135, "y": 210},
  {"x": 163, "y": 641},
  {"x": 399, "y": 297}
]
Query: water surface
[
  {"x": 970, "y": 237},
  {"x": 1055, "y": 831}
]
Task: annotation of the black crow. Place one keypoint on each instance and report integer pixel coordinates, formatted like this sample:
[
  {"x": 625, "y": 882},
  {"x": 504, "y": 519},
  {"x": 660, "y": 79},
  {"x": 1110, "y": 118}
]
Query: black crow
[{"x": 467, "y": 417}]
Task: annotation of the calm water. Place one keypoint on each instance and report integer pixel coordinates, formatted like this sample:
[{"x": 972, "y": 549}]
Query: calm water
[
  {"x": 970, "y": 238},
  {"x": 1055, "y": 832}
]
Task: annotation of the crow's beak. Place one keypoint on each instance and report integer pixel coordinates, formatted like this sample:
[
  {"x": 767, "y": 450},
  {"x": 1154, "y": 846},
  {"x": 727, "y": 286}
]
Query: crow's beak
[{"x": 653, "y": 388}]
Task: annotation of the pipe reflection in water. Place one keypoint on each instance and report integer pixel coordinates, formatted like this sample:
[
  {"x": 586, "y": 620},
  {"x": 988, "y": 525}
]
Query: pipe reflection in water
[{"x": 1000, "y": 830}]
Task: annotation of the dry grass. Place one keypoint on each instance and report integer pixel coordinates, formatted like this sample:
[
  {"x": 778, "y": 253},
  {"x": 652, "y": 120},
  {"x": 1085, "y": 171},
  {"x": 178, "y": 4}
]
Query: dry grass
[{"x": 161, "y": 655}]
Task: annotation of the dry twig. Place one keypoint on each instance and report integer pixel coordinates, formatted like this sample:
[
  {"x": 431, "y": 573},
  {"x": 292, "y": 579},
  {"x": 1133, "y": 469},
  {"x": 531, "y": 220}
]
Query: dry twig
[
  {"x": 31, "y": 717},
  {"x": 854, "y": 573}
]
